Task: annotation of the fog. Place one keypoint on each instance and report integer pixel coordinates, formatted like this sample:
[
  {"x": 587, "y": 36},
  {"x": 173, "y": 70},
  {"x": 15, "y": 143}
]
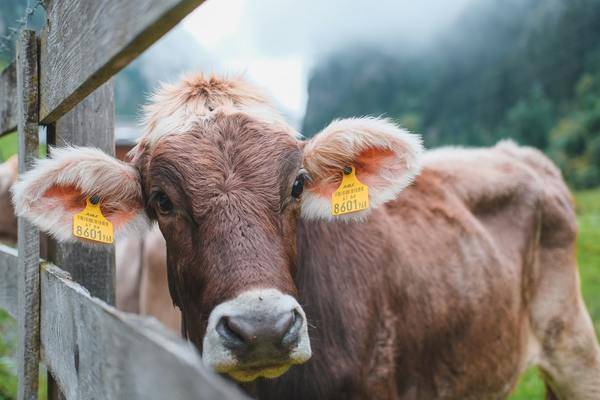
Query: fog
[
  {"x": 276, "y": 42},
  {"x": 176, "y": 54},
  {"x": 313, "y": 27}
]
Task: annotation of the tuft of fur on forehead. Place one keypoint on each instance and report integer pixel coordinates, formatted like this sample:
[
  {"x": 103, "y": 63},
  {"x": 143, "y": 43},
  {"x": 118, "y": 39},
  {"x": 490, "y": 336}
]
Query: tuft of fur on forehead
[{"x": 177, "y": 108}]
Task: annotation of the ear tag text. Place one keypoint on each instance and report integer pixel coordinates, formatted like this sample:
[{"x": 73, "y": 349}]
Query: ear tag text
[
  {"x": 90, "y": 224},
  {"x": 351, "y": 196}
]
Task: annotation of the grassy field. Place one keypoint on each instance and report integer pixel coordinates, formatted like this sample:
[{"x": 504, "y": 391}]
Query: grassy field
[
  {"x": 530, "y": 386},
  {"x": 8, "y": 146}
]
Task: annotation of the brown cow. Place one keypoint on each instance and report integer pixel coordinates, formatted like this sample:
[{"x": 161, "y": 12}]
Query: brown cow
[{"x": 447, "y": 288}]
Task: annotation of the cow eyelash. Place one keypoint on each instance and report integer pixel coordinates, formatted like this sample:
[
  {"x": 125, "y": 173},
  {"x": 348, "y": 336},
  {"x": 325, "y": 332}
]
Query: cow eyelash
[
  {"x": 162, "y": 202},
  {"x": 297, "y": 189},
  {"x": 298, "y": 185}
]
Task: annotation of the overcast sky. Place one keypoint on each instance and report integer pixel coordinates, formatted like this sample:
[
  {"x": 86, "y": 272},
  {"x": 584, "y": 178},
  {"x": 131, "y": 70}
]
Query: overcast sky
[{"x": 275, "y": 42}]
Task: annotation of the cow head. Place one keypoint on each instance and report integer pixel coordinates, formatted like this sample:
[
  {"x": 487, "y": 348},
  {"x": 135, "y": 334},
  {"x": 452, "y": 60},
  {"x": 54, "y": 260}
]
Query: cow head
[{"x": 226, "y": 179}]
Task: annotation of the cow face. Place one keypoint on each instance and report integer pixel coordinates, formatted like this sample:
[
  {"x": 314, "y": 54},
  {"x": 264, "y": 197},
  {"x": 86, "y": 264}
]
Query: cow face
[
  {"x": 221, "y": 194},
  {"x": 226, "y": 185}
]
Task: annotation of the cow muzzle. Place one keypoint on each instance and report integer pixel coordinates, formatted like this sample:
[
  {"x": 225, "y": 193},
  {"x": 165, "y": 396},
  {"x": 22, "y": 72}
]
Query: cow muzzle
[{"x": 260, "y": 333}]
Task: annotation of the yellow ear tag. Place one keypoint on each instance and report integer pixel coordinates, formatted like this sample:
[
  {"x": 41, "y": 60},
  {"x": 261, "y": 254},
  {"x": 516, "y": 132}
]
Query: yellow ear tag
[
  {"x": 90, "y": 224},
  {"x": 351, "y": 196}
]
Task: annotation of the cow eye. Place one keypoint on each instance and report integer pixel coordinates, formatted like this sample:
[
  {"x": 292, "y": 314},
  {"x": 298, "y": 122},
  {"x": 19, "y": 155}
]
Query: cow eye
[
  {"x": 163, "y": 203},
  {"x": 298, "y": 185}
]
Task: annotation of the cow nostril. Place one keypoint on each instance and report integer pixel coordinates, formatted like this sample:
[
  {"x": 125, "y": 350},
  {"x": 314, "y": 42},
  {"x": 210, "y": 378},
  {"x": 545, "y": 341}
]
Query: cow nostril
[
  {"x": 283, "y": 325},
  {"x": 233, "y": 331},
  {"x": 246, "y": 332},
  {"x": 292, "y": 334}
]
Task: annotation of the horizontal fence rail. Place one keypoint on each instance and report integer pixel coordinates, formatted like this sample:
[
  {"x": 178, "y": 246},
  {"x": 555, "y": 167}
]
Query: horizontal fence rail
[
  {"x": 87, "y": 42},
  {"x": 95, "y": 351}
]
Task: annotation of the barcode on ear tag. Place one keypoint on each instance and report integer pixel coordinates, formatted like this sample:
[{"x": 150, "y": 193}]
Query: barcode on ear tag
[
  {"x": 351, "y": 196},
  {"x": 90, "y": 224}
]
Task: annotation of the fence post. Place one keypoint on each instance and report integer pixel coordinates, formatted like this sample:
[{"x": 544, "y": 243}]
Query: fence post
[
  {"x": 90, "y": 123},
  {"x": 28, "y": 353}
]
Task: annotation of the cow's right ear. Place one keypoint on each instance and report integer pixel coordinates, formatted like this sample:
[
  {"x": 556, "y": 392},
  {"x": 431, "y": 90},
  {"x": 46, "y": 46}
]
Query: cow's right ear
[{"x": 56, "y": 189}]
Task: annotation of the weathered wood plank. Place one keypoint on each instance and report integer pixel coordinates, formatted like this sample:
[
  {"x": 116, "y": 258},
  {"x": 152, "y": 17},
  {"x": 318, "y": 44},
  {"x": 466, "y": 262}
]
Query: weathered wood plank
[
  {"x": 90, "y": 123},
  {"x": 95, "y": 351},
  {"x": 87, "y": 42},
  {"x": 8, "y": 99},
  {"x": 28, "y": 352},
  {"x": 8, "y": 280}
]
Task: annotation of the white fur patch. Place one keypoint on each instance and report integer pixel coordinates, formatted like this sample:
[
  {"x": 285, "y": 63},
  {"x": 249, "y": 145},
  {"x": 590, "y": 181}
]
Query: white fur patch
[
  {"x": 89, "y": 170},
  {"x": 176, "y": 108},
  {"x": 182, "y": 121},
  {"x": 259, "y": 302},
  {"x": 178, "y": 122},
  {"x": 342, "y": 141}
]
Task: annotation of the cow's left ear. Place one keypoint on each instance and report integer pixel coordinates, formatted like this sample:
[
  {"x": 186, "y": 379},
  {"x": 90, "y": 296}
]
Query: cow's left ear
[
  {"x": 57, "y": 189},
  {"x": 385, "y": 157}
]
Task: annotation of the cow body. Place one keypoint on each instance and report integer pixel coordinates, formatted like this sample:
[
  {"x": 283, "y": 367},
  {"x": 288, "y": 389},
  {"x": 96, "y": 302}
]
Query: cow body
[
  {"x": 437, "y": 295},
  {"x": 446, "y": 288},
  {"x": 446, "y": 279}
]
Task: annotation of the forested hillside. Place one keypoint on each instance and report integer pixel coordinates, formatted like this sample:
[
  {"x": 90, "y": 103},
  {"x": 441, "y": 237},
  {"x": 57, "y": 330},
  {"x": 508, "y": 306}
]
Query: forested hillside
[{"x": 526, "y": 69}]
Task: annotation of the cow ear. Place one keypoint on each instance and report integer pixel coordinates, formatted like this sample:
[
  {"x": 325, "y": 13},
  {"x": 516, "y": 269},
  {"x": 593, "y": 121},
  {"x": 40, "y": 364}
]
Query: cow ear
[
  {"x": 385, "y": 157},
  {"x": 56, "y": 189}
]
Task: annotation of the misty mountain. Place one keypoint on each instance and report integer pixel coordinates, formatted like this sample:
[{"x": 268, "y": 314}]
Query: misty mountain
[{"x": 526, "y": 69}]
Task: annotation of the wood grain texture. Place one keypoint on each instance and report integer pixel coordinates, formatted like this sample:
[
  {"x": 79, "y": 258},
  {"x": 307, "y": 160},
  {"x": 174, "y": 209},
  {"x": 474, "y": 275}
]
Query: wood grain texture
[
  {"x": 28, "y": 349},
  {"x": 96, "y": 352},
  {"x": 86, "y": 42},
  {"x": 8, "y": 99},
  {"x": 8, "y": 280},
  {"x": 90, "y": 123}
]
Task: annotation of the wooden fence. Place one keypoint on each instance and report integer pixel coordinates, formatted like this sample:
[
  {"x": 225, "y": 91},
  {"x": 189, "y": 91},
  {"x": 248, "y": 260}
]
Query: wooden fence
[{"x": 60, "y": 81}]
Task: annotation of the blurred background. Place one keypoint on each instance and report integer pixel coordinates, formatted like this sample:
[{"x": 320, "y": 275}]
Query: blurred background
[{"x": 461, "y": 72}]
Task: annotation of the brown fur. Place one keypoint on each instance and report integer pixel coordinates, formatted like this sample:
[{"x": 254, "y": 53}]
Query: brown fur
[
  {"x": 229, "y": 204},
  {"x": 429, "y": 298}
]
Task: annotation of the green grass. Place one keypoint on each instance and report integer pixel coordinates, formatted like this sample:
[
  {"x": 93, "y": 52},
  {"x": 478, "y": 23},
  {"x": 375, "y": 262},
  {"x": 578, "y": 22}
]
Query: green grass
[
  {"x": 8, "y": 346},
  {"x": 588, "y": 256},
  {"x": 8, "y": 146},
  {"x": 588, "y": 251},
  {"x": 8, "y": 381}
]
